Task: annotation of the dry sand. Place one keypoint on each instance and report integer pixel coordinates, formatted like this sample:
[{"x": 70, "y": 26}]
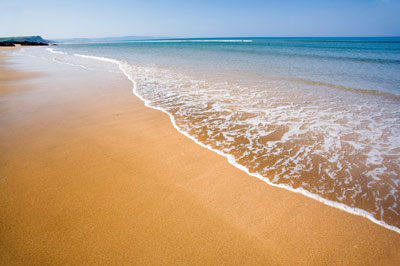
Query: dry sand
[{"x": 90, "y": 176}]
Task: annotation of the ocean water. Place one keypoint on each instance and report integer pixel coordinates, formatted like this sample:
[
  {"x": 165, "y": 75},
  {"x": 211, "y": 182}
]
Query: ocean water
[{"x": 318, "y": 116}]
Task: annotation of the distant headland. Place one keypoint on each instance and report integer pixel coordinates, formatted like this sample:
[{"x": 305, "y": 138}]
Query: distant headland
[{"x": 24, "y": 41}]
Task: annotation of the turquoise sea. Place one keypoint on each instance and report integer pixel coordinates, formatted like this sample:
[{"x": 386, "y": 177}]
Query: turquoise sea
[{"x": 318, "y": 116}]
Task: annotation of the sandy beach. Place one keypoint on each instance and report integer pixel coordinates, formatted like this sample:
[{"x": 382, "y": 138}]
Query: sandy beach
[{"x": 90, "y": 176}]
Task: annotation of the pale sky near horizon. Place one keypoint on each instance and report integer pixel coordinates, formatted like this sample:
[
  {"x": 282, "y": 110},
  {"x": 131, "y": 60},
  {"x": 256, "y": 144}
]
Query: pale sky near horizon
[{"x": 206, "y": 18}]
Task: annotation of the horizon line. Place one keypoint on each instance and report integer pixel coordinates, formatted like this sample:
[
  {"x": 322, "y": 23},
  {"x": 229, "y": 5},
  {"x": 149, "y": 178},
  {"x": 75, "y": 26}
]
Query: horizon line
[{"x": 149, "y": 37}]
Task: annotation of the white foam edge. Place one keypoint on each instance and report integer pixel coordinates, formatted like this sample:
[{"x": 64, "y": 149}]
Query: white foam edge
[
  {"x": 70, "y": 64},
  {"x": 230, "y": 158},
  {"x": 51, "y": 50}
]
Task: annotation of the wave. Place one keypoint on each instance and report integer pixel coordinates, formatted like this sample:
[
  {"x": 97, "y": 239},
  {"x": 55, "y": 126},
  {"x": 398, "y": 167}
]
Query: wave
[
  {"x": 125, "y": 69},
  {"x": 57, "y": 60},
  {"x": 387, "y": 61},
  {"x": 341, "y": 87},
  {"x": 51, "y": 50},
  {"x": 350, "y": 40}
]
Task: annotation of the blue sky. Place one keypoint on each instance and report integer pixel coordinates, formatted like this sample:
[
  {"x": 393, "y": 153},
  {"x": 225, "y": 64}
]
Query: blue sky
[{"x": 200, "y": 18}]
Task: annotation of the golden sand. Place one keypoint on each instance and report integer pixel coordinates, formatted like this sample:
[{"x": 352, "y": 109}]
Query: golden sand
[{"x": 90, "y": 176}]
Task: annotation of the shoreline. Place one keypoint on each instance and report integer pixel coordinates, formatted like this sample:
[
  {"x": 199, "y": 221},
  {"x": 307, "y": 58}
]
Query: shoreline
[
  {"x": 145, "y": 194},
  {"x": 231, "y": 160}
]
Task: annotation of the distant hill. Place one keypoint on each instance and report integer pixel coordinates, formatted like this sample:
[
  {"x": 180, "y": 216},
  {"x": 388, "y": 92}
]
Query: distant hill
[
  {"x": 110, "y": 39},
  {"x": 24, "y": 40}
]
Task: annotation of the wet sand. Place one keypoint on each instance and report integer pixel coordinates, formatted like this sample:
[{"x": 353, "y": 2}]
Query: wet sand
[{"x": 90, "y": 176}]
